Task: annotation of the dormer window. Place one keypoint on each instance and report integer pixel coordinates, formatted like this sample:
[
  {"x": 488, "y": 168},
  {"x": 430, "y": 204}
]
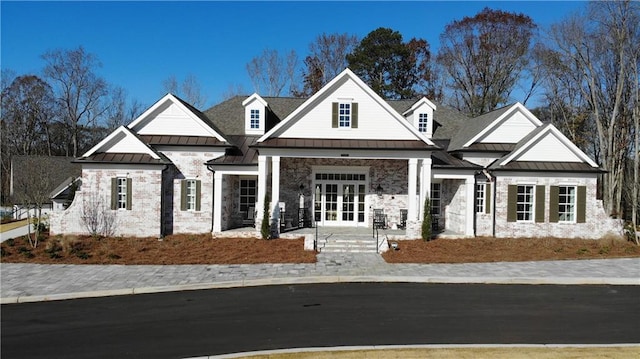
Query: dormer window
[
  {"x": 423, "y": 122},
  {"x": 344, "y": 115},
  {"x": 254, "y": 121},
  {"x": 255, "y": 114}
]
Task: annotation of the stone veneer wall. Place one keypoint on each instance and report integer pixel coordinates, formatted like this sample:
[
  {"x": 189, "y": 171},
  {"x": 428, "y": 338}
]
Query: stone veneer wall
[
  {"x": 453, "y": 206},
  {"x": 143, "y": 220},
  {"x": 597, "y": 223},
  {"x": 390, "y": 174}
]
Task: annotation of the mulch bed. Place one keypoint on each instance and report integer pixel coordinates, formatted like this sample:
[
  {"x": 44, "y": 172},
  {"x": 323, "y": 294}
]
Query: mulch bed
[
  {"x": 176, "y": 249},
  {"x": 476, "y": 250}
]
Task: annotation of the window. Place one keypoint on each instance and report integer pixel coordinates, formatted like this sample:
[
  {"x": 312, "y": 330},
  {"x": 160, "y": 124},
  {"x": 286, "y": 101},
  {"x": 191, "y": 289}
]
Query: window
[
  {"x": 344, "y": 115},
  {"x": 254, "y": 120},
  {"x": 525, "y": 203},
  {"x": 422, "y": 122},
  {"x": 121, "y": 193},
  {"x": 435, "y": 199},
  {"x": 567, "y": 203},
  {"x": 191, "y": 195},
  {"x": 190, "y": 192},
  {"x": 247, "y": 195},
  {"x": 480, "y": 197}
]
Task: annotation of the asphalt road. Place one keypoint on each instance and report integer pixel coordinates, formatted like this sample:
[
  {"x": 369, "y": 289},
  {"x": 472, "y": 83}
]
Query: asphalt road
[{"x": 196, "y": 323}]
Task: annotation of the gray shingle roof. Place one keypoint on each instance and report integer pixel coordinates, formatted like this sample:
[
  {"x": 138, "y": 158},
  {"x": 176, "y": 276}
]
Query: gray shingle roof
[{"x": 473, "y": 126}]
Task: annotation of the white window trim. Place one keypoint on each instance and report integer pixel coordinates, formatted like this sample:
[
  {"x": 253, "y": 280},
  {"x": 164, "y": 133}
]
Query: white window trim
[
  {"x": 350, "y": 115},
  {"x": 574, "y": 205},
  {"x": 532, "y": 216},
  {"x": 425, "y": 123},
  {"x": 191, "y": 193},
  {"x": 121, "y": 183},
  {"x": 483, "y": 206}
]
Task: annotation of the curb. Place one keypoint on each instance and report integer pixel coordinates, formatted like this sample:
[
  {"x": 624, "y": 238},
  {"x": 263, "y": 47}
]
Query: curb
[
  {"x": 419, "y": 346},
  {"x": 325, "y": 280}
]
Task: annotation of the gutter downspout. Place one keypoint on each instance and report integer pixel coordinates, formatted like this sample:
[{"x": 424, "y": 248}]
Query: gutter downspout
[
  {"x": 492, "y": 180},
  {"x": 162, "y": 203},
  {"x": 213, "y": 190}
]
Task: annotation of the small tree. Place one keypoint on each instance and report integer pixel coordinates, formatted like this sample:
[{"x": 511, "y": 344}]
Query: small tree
[
  {"x": 426, "y": 220},
  {"x": 97, "y": 218},
  {"x": 265, "y": 228}
]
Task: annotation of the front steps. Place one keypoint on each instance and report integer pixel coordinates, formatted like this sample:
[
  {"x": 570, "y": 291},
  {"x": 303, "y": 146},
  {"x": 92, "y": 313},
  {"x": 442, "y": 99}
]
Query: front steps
[{"x": 352, "y": 244}]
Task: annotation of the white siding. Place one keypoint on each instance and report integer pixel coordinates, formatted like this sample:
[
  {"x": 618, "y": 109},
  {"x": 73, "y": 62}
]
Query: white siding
[
  {"x": 549, "y": 149},
  {"x": 374, "y": 122},
  {"x": 511, "y": 130},
  {"x": 125, "y": 144},
  {"x": 254, "y": 105},
  {"x": 170, "y": 119},
  {"x": 415, "y": 117}
]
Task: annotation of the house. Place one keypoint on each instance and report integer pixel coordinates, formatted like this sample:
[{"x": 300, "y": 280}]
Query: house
[
  {"x": 333, "y": 160},
  {"x": 34, "y": 179}
]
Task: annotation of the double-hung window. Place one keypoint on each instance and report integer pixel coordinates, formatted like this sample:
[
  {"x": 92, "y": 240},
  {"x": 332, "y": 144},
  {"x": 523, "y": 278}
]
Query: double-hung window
[
  {"x": 190, "y": 190},
  {"x": 254, "y": 119},
  {"x": 525, "y": 203},
  {"x": 480, "y": 197},
  {"x": 567, "y": 203},
  {"x": 191, "y": 195},
  {"x": 344, "y": 115},
  {"x": 422, "y": 122},
  {"x": 121, "y": 193}
]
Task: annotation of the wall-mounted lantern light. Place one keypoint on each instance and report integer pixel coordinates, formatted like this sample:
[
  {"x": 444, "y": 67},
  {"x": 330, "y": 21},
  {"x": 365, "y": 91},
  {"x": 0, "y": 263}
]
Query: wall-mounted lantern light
[{"x": 379, "y": 190}]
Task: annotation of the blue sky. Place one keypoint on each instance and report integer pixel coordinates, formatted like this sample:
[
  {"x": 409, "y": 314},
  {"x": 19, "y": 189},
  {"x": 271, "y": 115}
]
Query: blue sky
[{"x": 142, "y": 43}]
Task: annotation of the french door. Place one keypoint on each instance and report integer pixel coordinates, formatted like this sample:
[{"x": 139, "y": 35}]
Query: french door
[{"x": 340, "y": 202}]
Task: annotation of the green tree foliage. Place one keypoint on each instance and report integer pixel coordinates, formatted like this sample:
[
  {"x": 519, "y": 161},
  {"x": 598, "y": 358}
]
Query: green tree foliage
[
  {"x": 394, "y": 69},
  {"x": 484, "y": 57}
]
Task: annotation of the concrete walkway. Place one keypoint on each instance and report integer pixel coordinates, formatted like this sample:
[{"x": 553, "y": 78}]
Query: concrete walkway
[{"x": 39, "y": 282}]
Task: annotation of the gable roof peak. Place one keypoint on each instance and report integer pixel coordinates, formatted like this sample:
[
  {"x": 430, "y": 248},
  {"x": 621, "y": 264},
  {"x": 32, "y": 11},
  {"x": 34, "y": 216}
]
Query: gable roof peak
[{"x": 254, "y": 97}]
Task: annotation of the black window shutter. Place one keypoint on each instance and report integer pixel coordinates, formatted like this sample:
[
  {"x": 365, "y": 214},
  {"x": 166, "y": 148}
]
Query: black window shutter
[
  {"x": 129, "y": 191},
  {"x": 198, "y": 190},
  {"x": 183, "y": 195},
  {"x": 554, "y": 196},
  {"x": 539, "y": 213},
  {"x": 487, "y": 197},
  {"x": 581, "y": 204},
  {"x": 334, "y": 115},
  {"x": 354, "y": 115},
  {"x": 512, "y": 200},
  {"x": 114, "y": 193}
]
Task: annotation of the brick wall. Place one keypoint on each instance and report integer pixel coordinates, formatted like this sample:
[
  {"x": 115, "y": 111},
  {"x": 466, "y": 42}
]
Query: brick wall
[
  {"x": 143, "y": 220},
  {"x": 597, "y": 223}
]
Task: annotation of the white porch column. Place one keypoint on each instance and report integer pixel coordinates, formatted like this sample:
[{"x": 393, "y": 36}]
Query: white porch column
[
  {"x": 425, "y": 184},
  {"x": 217, "y": 202},
  {"x": 262, "y": 185},
  {"x": 275, "y": 190},
  {"x": 470, "y": 210},
  {"x": 412, "y": 214}
]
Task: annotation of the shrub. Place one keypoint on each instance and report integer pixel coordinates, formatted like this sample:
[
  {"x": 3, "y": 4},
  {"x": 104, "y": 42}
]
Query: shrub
[
  {"x": 265, "y": 228},
  {"x": 426, "y": 220}
]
